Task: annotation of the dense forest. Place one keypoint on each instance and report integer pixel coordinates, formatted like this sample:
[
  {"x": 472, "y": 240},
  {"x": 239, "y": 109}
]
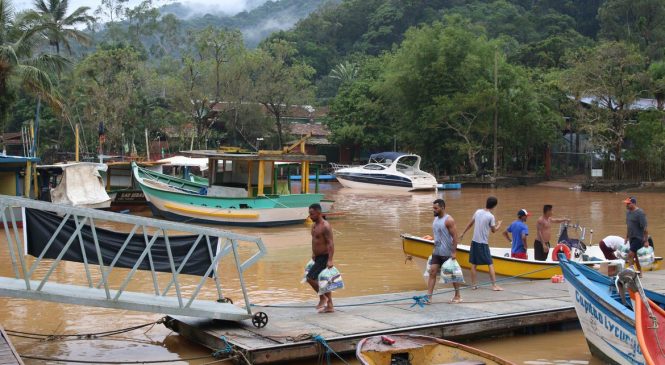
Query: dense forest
[{"x": 432, "y": 77}]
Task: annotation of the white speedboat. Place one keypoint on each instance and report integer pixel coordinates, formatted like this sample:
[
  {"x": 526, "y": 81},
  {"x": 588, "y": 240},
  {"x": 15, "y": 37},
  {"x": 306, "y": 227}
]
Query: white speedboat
[{"x": 387, "y": 171}]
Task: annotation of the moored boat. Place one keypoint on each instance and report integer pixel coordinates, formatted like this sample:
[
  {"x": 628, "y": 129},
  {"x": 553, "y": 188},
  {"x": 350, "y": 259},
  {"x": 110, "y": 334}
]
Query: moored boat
[
  {"x": 421, "y": 350},
  {"x": 79, "y": 184},
  {"x": 421, "y": 248},
  {"x": 182, "y": 200},
  {"x": 605, "y": 313},
  {"x": 387, "y": 171}
]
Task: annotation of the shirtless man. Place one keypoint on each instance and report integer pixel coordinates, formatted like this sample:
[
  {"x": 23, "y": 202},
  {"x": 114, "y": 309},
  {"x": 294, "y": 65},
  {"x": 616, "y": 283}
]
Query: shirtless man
[
  {"x": 541, "y": 247},
  {"x": 323, "y": 250}
]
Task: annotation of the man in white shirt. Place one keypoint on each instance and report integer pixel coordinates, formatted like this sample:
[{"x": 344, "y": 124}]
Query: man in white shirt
[
  {"x": 484, "y": 222},
  {"x": 610, "y": 244}
]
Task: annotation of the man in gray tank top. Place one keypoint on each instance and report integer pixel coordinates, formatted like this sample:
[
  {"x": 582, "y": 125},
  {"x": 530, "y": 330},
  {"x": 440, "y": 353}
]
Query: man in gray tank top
[{"x": 445, "y": 246}]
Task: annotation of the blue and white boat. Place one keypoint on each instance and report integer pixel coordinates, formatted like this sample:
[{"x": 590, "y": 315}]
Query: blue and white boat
[
  {"x": 395, "y": 171},
  {"x": 608, "y": 321}
]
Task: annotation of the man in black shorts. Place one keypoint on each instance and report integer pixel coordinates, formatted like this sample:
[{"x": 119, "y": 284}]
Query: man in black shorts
[
  {"x": 445, "y": 247},
  {"x": 323, "y": 250},
  {"x": 637, "y": 234}
]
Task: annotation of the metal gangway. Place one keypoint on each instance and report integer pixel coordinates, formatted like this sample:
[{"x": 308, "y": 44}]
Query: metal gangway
[{"x": 171, "y": 292}]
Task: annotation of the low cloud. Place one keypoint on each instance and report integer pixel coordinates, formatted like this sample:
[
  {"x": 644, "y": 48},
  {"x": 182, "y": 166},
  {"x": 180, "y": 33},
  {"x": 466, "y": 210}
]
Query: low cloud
[{"x": 199, "y": 7}]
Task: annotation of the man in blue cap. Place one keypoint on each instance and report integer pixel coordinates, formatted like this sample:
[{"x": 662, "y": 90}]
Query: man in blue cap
[
  {"x": 636, "y": 235},
  {"x": 519, "y": 230}
]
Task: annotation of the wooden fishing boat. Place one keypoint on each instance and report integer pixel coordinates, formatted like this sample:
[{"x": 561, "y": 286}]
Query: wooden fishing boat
[
  {"x": 421, "y": 248},
  {"x": 421, "y": 350},
  {"x": 182, "y": 200},
  {"x": 605, "y": 313},
  {"x": 650, "y": 328}
]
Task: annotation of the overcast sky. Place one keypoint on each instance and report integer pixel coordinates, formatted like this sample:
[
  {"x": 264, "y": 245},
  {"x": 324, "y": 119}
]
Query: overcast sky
[{"x": 214, "y": 6}]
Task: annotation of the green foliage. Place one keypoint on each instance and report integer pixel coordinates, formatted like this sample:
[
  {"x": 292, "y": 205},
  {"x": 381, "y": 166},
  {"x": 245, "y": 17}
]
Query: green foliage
[{"x": 640, "y": 22}]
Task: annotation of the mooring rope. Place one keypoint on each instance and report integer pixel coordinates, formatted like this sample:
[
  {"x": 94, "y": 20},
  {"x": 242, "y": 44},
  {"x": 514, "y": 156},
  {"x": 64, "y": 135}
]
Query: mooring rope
[
  {"x": 328, "y": 350},
  {"x": 88, "y": 361},
  {"x": 80, "y": 336}
]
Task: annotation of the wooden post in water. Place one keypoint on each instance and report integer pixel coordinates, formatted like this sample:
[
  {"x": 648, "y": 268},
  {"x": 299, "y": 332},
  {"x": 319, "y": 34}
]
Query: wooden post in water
[
  {"x": 259, "y": 191},
  {"x": 249, "y": 179},
  {"x": 496, "y": 112},
  {"x": 76, "y": 148},
  {"x": 147, "y": 144}
]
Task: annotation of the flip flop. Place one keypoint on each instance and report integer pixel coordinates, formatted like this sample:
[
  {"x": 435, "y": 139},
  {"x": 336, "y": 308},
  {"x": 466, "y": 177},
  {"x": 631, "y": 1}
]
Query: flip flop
[{"x": 456, "y": 301}]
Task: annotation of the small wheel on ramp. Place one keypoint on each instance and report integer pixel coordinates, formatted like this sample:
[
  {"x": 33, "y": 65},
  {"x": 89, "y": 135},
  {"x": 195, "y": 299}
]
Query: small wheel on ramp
[{"x": 260, "y": 319}]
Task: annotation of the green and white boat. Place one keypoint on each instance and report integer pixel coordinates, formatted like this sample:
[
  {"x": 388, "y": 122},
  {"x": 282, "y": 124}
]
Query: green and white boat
[{"x": 244, "y": 196}]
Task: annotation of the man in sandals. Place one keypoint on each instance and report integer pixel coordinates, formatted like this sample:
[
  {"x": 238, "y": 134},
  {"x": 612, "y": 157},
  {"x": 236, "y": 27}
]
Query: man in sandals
[{"x": 445, "y": 246}]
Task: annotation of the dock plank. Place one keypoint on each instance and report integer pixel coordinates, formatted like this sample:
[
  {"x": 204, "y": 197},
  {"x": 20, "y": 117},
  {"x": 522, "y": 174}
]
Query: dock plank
[
  {"x": 8, "y": 354},
  {"x": 524, "y": 303}
]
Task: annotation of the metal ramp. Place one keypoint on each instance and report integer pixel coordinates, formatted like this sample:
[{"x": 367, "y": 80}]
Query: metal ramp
[{"x": 172, "y": 291}]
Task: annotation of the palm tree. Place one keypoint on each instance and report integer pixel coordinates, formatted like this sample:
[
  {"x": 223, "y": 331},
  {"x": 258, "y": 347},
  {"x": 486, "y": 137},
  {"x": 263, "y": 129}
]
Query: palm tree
[
  {"x": 19, "y": 69},
  {"x": 58, "y": 27}
]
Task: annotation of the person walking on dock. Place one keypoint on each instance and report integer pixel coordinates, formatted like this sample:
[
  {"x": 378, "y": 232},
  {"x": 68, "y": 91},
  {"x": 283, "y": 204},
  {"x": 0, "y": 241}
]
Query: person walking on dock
[
  {"x": 323, "y": 250},
  {"x": 541, "y": 246},
  {"x": 445, "y": 247},
  {"x": 519, "y": 230},
  {"x": 636, "y": 233},
  {"x": 484, "y": 222}
]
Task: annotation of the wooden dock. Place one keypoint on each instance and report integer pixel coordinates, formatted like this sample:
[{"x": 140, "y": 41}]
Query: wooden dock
[
  {"x": 8, "y": 354},
  {"x": 523, "y": 305}
]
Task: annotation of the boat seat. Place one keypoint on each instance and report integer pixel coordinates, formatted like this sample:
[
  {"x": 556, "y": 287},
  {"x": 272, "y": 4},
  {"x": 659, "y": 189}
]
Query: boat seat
[{"x": 465, "y": 362}]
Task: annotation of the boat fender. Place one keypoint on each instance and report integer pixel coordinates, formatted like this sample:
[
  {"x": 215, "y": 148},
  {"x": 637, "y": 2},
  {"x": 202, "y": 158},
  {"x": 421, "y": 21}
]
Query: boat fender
[{"x": 559, "y": 248}]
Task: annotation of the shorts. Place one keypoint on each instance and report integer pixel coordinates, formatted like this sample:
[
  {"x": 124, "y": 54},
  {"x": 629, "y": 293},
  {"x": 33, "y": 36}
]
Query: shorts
[
  {"x": 636, "y": 244},
  {"x": 480, "y": 254},
  {"x": 320, "y": 263},
  {"x": 438, "y": 259},
  {"x": 539, "y": 252},
  {"x": 607, "y": 252},
  {"x": 519, "y": 255}
]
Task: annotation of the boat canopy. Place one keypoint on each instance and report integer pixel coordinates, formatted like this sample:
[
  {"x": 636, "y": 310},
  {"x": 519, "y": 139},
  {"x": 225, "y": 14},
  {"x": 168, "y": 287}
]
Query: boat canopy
[
  {"x": 201, "y": 163},
  {"x": 384, "y": 156}
]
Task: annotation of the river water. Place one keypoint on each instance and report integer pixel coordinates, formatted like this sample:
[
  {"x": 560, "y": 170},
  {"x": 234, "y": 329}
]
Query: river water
[{"x": 367, "y": 251}]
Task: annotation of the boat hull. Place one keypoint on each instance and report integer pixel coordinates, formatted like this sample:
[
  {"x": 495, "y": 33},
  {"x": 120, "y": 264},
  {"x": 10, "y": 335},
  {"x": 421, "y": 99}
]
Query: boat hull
[
  {"x": 380, "y": 183},
  {"x": 180, "y": 203},
  {"x": 423, "y": 350},
  {"x": 421, "y": 248},
  {"x": 608, "y": 325}
]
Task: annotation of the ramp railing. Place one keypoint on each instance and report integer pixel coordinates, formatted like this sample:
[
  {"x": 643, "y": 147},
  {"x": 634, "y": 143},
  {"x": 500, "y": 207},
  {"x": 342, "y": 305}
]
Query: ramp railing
[{"x": 171, "y": 292}]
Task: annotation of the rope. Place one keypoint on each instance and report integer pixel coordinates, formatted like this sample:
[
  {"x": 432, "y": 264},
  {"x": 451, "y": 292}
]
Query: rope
[
  {"x": 88, "y": 361},
  {"x": 225, "y": 351},
  {"x": 322, "y": 341},
  {"x": 420, "y": 300},
  {"x": 417, "y": 299},
  {"x": 80, "y": 336}
]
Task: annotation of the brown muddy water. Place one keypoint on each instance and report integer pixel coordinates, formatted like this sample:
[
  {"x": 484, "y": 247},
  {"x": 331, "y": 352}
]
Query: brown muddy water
[{"x": 368, "y": 253}]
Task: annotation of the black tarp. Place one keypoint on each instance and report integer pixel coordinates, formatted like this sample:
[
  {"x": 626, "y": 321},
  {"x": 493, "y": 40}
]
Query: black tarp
[{"x": 41, "y": 225}]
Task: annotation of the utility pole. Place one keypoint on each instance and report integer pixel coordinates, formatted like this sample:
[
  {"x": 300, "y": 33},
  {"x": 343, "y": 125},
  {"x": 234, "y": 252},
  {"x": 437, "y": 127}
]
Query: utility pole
[{"x": 496, "y": 111}]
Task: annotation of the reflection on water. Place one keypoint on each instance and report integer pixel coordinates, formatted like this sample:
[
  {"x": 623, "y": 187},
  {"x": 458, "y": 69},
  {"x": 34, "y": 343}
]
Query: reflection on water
[{"x": 368, "y": 253}]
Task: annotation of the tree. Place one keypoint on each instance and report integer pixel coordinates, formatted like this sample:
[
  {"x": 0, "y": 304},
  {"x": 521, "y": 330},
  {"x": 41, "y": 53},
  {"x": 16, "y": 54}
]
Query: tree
[
  {"x": 610, "y": 76},
  {"x": 657, "y": 78},
  {"x": 219, "y": 45},
  {"x": 19, "y": 68},
  {"x": 281, "y": 81},
  {"x": 58, "y": 27},
  {"x": 641, "y": 22}
]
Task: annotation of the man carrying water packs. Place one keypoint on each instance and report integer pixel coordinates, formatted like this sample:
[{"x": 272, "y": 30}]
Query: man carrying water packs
[
  {"x": 445, "y": 247},
  {"x": 323, "y": 250}
]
